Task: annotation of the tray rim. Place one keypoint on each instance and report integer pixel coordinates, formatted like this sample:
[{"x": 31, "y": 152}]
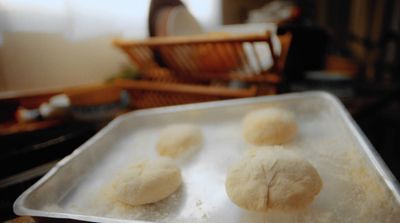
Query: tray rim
[{"x": 369, "y": 150}]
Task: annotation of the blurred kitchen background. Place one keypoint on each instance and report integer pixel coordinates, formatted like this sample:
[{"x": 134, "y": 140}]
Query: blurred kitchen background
[{"x": 67, "y": 67}]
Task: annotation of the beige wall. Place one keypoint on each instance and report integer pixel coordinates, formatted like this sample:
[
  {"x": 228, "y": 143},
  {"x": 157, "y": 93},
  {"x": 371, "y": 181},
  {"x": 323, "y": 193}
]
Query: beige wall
[{"x": 37, "y": 61}]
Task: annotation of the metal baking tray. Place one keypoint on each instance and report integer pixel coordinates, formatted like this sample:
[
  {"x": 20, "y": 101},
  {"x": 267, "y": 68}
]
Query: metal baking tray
[{"x": 358, "y": 187}]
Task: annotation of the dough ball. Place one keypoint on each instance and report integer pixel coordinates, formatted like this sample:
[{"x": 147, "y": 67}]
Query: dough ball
[
  {"x": 272, "y": 179},
  {"x": 147, "y": 182},
  {"x": 254, "y": 148},
  {"x": 179, "y": 138},
  {"x": 269, "y": 126}
]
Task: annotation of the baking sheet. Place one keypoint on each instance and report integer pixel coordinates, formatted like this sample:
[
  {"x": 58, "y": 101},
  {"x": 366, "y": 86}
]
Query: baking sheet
[{"x": 357, "y": 185}]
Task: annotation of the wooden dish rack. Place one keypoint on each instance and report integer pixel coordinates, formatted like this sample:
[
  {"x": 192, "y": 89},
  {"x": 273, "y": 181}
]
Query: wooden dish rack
[{"x": 179, "y": 70}]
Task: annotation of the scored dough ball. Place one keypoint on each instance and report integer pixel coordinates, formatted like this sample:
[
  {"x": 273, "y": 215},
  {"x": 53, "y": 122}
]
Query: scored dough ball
[
  {"x": 147, "y": 182},
  {"x": 272, "y": 179},
  {"x": 179, "y": 138},
  {"x": 269, "y": 126}
]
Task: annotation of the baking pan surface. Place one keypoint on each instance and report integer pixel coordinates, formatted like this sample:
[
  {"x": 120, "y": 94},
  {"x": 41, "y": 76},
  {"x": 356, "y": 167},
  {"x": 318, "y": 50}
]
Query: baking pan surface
[{"x": 357, "y": 185}]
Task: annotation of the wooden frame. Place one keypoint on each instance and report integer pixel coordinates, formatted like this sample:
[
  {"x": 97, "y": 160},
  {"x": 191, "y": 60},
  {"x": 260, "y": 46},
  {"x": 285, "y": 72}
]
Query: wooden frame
[
  {"x": 205, "y": 58},
  {"x": 145, "y": 94}
]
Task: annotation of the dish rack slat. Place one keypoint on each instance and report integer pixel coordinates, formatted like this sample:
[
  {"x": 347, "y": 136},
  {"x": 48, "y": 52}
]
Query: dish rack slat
[{"x": 199, "y": 61}]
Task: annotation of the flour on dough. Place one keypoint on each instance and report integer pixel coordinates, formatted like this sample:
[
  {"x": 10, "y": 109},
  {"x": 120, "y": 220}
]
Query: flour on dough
[
  {"x": 147, "y": 182},
  {"x": 177, "y": 139},
  {"x": 272, "y": 179},
  {"x": 269, "y": 126}
]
